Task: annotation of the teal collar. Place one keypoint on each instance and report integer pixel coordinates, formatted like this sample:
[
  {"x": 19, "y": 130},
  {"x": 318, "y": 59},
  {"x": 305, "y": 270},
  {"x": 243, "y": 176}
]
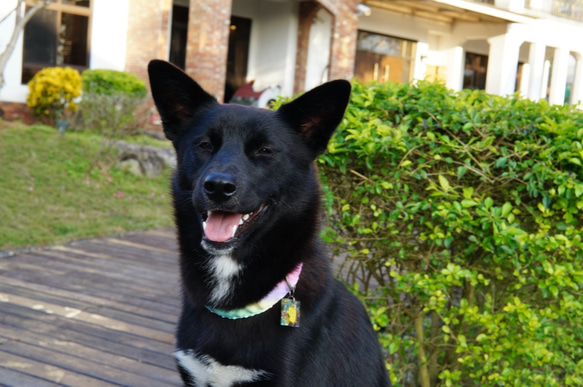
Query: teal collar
[{"x": 284, "y": 287}]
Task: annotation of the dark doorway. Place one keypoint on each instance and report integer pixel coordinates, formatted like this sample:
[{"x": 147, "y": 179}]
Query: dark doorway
[
  {"x": 178, "y": 36},
  {"x": 238, "y": 55},
  {"x": 475, "y": 71}
]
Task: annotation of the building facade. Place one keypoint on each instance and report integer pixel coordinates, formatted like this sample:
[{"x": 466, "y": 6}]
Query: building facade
[{"x": 502, "y": 46}]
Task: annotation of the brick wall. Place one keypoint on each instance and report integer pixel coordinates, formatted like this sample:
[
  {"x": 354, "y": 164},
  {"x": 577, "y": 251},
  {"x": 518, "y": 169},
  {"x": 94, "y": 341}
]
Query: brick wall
[
  {"x": 12, "y": 111},
  {"x": 147, "y": 34},
  {"x": 147, "y": 39},
  {"x": 343, "y": 47},
  {"x": 344, "y": 35},
  {"x": 208, "y": 42}
]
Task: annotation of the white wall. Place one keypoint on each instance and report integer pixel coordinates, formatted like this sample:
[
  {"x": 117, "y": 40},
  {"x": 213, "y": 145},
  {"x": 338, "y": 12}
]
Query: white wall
[
  {"x": 108, "y": 43},
  {"x": 273, "y": 45},
  {"x": 13, "y": 90},
  {"x": 319, "y": 50},
  {"x": 109, "y": 25}
]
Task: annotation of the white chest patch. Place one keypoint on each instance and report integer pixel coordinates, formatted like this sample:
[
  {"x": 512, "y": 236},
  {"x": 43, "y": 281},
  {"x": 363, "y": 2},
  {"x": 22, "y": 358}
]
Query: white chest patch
[
  {"x": 223, "y": 269},
  {"x": 206, "y": 371}
]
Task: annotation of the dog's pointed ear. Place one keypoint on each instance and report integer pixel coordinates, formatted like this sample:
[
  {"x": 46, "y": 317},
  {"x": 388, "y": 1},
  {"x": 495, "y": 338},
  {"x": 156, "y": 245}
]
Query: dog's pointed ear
[
  {"x": 176, "y": 95},
  {"x": 318, "y": 112}
]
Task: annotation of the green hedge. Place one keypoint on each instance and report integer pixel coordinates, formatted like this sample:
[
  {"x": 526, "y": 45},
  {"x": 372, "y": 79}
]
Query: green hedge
[
  {"x": 461, "y": 217},
  {"x": 111, "y": 82}
]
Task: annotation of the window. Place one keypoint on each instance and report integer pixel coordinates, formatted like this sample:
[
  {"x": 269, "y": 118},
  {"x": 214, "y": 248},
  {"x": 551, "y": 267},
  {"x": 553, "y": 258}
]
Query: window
[
  {"x": 383, "y": 58},
  {"x": 58, "y": 35}
]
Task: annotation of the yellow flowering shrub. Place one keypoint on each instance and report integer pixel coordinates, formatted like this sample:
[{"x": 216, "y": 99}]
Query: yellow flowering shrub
[{"x": 52, "y": 91}]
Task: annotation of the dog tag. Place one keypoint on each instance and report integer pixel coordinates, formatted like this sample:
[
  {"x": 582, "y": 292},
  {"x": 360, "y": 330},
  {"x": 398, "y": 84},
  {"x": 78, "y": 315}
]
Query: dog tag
[{"x": 290, "y": 312}]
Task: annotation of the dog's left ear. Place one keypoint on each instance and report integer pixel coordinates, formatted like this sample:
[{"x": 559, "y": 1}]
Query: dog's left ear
[{"x": 318, "y": 112}]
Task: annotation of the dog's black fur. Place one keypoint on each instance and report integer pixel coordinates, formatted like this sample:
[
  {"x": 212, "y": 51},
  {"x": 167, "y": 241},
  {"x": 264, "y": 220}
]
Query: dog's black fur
[{"x": 235, "y": 159}]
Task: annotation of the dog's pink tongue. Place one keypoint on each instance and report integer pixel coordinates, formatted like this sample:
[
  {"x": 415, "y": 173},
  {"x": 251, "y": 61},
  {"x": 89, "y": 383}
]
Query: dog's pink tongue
[{"x": 221, "y": 226}]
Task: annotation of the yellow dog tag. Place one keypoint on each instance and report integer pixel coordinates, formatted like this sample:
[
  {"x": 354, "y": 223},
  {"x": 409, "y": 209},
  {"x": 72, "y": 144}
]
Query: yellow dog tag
[{"x": 290, "y": 312}]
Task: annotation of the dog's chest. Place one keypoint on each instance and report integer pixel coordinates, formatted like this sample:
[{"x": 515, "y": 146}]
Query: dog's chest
[
  {"x": 223, "y": 270},
  {"x": 206, "y": 371}
]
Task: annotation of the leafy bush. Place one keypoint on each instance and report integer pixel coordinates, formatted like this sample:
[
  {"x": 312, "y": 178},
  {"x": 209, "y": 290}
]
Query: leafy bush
[
  {"x": 461, "y": 217},
  {"x": 111, "y": 82},
  {"x": 112, "y": 101},
  {"x": 52, "y": 91}
]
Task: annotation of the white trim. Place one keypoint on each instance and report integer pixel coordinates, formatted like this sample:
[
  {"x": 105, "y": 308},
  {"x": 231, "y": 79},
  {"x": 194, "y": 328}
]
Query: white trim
[{"x": 487, "y": 10}]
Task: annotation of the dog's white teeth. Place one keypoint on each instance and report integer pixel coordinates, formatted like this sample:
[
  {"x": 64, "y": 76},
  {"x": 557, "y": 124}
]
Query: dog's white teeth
[
  {"x": 234, "y": 230},
  {"x": 244, "y": 218},
  {"x": 204, "y": 226}
]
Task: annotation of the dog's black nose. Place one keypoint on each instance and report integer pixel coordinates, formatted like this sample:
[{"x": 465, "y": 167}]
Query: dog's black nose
[{"x": 220, "y": 186}]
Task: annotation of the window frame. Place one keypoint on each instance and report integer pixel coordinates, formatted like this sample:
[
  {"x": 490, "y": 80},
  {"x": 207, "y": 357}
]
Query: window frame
[{"x": 60, "y": 7}]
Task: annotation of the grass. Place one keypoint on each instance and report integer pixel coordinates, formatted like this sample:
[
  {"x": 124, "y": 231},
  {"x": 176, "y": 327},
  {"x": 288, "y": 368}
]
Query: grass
[{"x": 57, "y": 188}]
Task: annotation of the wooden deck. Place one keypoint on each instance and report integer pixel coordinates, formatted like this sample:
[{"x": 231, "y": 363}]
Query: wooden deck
[{"x": 97, "y": 312}]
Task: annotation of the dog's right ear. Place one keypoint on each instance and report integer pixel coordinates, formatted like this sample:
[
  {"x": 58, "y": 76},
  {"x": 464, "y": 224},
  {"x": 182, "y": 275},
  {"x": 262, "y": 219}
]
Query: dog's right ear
[{"x": 176, "y": 95}]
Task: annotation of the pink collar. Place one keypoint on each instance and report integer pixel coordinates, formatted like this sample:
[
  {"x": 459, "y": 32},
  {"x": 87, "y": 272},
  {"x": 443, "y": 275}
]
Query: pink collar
[{"x": 284, "y": 287}]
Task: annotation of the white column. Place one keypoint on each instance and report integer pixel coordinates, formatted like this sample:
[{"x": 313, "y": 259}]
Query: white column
[
  {"x": 559, "y": 70},
  {"x": 455, "y": 67},
  {"x": 536, "y": 60},
  {"x": 577, "y": 93},
  {"x": 420, "y": 65},
  {"x": 502, "y": 64}
]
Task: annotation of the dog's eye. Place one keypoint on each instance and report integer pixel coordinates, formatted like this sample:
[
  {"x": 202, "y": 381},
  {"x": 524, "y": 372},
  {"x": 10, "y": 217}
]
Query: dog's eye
[
  {"x": 264, "y": 151},
  {"x": 205, "y": 145}
]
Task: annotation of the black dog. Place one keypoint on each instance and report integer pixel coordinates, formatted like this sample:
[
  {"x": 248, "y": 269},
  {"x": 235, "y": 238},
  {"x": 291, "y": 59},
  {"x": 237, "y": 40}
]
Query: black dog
[{"x": 261, "y": 306}]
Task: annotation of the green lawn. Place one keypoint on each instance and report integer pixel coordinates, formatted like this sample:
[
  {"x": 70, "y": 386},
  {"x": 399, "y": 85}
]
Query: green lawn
[{"x": 57, "y": 188}]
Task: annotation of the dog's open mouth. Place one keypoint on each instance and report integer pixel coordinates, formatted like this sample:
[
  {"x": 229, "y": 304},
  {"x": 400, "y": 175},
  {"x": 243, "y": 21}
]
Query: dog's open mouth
[{"x": 221, "y": 226}]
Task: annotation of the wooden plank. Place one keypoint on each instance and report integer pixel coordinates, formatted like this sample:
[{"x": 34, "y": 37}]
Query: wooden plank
[
  {"x": 92, "y": 313},
  {"x": 87, "y": 317},
  {"x": 11, "y": 377},
  {"x": 82, "y": 369},
  {"x": 147, "y": 308},
  {"x": 115, "y": 342},
  {"x": 161, "y": 238},
  {"x": 137, "y": 246},
  {"x": 141, "y": 308},
  {"x": 43, "y": 371},
  {"x": 72, "y": 308},
  {"x": 65, "y": 346},
  {"x": 92, "y": 275},
  {"x": 158, "y": 305},
  {"x": 73, "y": 291},
  {"x": 120, "y": 262}
]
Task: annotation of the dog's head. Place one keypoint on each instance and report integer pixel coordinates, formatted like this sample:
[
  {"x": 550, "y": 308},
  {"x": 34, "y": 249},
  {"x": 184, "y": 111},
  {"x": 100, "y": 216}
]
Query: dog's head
[{"x": 242, "y": 169}]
